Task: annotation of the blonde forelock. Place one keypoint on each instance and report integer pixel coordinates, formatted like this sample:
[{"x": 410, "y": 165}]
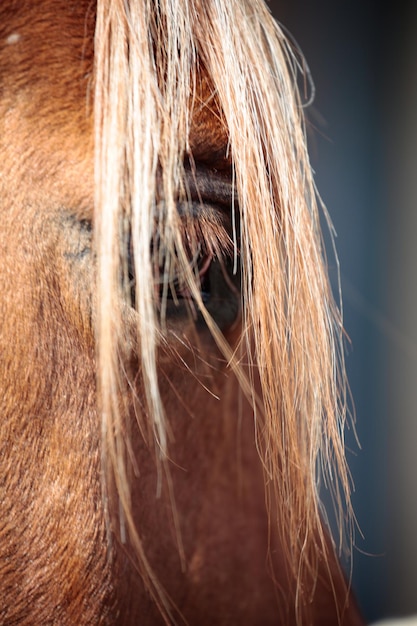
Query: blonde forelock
[{"x": 147, "y": 55}]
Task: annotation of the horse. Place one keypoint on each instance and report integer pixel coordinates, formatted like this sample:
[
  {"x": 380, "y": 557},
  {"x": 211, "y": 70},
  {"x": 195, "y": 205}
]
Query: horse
[{"x": 172, "y": 380}]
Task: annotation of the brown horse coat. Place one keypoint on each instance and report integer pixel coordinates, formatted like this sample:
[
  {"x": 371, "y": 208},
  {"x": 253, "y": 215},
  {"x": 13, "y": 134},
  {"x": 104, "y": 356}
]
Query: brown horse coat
[{"x": 177, "y": 529}]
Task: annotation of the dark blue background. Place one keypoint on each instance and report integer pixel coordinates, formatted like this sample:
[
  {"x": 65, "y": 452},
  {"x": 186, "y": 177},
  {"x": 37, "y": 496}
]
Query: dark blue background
[{"x": 363, "y": 147}]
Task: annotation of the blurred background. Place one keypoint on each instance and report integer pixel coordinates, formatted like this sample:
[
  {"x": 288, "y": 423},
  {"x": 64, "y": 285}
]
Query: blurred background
[{"x": 363, "y": 142}]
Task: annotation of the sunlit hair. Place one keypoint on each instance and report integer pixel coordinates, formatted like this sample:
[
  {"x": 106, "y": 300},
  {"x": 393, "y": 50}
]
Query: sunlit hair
[{"x": 148, "y": 55}]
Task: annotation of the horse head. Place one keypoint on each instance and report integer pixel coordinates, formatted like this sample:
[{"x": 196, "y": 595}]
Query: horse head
[{"x": 171, "y": 376}]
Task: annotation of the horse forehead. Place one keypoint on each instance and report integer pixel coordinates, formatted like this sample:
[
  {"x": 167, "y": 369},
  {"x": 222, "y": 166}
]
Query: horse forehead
[
  {"x": 39, "y": 16},
  {"x": 208, "y": 129},
  {"x": 46, "y": 78},
  {"x": 46, "y": 52},
  {"x": 46, "y": 60}
]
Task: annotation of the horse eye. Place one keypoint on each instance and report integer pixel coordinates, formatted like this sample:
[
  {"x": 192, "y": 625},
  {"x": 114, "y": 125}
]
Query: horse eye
[{"x": 210, "y": 255}]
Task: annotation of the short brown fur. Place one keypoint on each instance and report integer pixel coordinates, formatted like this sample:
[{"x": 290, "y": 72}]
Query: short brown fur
[{"x": 122, "y": 503}]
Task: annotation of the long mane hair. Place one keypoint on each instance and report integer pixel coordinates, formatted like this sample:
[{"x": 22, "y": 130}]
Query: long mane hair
[{"x": 150, "y": 56}]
